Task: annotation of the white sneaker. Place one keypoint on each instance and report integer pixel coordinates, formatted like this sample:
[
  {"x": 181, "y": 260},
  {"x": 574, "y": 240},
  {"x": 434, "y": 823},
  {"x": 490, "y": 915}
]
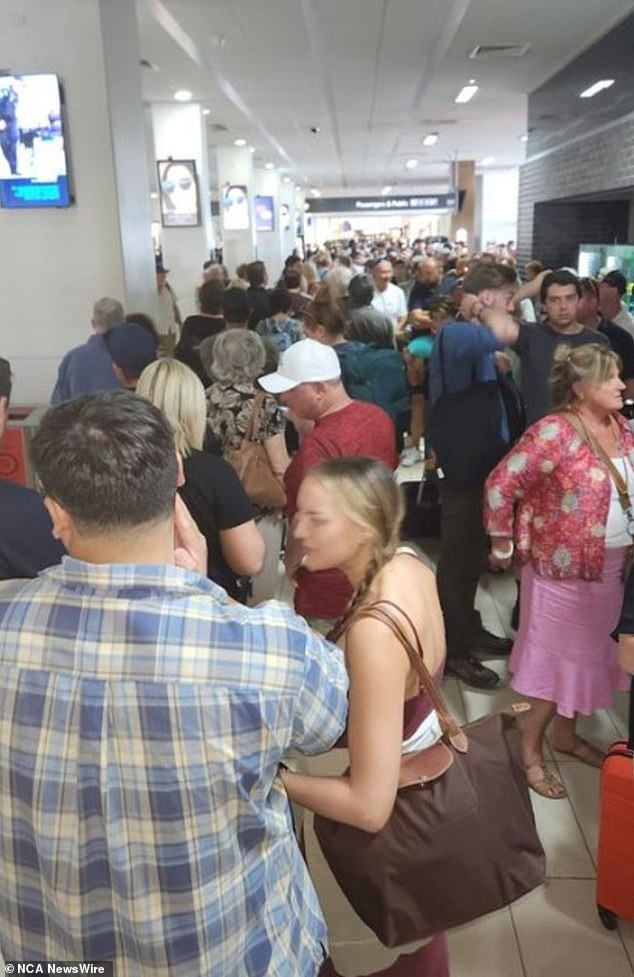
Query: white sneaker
[{"x": 410, "y": 456}]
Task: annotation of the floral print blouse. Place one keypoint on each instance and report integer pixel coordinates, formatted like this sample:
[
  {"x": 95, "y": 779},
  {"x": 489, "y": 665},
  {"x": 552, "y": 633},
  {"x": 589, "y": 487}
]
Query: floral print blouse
[
  {"x": 229, "y": 407},
  {"x": 552, "y": 494}
]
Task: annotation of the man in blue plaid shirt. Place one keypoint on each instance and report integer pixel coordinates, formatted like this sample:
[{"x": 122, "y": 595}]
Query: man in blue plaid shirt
[{"x": 143, "y": 718}]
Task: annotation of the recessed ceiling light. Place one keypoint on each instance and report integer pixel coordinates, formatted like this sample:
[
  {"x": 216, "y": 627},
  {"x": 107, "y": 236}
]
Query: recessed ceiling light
[
  {"x": 154, "y": 195},
  {"x": 386, "y": 190},
  {"x": 466, "y": 94},
  {"x": 411, "y": 164},
  {"x": 269, "y": 166},
  {"x": 206, "y": 111},
  {"x": 524, "y": 137},
  {"x": 239, "y": 142},
  {"x": 251, "y": 149},
  {"x": 286, "y": 179},
  {"x": 598, "y": 86},
  {"x": 183, "y": 95},
  {"x": 430, "y": 139},
  {"x": 487, "y": 160}
]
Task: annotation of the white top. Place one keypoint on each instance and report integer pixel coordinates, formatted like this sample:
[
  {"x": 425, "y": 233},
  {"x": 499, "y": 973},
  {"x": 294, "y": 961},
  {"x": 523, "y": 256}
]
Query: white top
[
  {"x": 391, "y": 302},
  {"x": 616, "y": 533}
]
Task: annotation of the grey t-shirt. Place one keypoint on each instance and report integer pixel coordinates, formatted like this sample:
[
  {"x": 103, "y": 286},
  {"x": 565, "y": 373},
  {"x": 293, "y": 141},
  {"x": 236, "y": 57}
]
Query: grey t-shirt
[{"x": 535, "y": 346}]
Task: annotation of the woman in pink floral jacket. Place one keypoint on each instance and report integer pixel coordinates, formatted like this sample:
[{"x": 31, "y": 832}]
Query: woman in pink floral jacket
[{"x": 561, "y": 499}]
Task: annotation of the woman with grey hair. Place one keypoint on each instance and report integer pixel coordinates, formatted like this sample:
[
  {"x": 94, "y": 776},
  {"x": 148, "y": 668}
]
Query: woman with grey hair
[{"x": 234, "y": 360}]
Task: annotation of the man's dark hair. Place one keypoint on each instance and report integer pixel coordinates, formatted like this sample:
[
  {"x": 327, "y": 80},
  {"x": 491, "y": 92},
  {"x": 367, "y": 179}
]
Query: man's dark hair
[
  {"x": 256, "y": 273},
  {"x": 560, "y": 277},
  {"x": 108, "y": 459},
  {"x": 292, "y": 278},
  {"x": 210, "y": 298},
  {"x": 493, "y": 276},
  {"x": 360, "y": 291},
  {"x": 279, "y": 301},
  {"x": 5, "y": 378},
  {"x": 143, "y": 319},
  {"x": 293, "y": 259},
  {"x": 236, "y": 305}
]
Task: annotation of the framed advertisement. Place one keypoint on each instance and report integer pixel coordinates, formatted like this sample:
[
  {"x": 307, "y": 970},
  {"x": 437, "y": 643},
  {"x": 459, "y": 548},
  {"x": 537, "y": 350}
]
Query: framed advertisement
[{"x": 180, "y": 199}]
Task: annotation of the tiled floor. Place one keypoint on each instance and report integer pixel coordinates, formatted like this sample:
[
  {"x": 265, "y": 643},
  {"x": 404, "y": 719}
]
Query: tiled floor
[{"x": 555, "y": 931}]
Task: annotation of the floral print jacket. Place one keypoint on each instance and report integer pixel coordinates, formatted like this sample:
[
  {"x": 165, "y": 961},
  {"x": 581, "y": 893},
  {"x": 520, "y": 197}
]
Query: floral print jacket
[{"x": 552, "y": 494}]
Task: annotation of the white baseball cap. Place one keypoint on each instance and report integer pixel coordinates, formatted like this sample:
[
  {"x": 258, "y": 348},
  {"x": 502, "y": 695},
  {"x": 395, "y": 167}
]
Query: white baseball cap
[{"x": 304, "y": 362}]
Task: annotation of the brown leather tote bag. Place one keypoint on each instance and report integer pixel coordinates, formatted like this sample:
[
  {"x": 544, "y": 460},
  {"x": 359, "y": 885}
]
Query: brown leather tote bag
[
  {"x": 461, "y": 839},
  {"x": 253, "y": 467}
]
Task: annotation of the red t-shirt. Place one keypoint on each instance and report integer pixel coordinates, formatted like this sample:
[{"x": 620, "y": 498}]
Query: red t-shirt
[{"x": 357, "y": 429}]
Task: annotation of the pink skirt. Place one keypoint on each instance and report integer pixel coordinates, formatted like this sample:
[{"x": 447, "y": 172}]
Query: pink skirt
[{"x": 563, "y": 652}]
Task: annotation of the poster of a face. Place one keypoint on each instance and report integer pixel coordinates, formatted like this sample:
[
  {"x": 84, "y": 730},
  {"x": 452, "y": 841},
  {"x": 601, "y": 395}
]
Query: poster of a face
[
  {"x": 264, "y": 216},
  {"x": 285, "y": 217},
  {"x": 235, "y": 207},
  {"x": 180, "y": 205}
]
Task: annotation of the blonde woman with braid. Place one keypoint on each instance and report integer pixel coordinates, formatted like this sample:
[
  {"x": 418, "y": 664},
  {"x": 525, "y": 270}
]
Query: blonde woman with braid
[{"x": 348, "y": 517}]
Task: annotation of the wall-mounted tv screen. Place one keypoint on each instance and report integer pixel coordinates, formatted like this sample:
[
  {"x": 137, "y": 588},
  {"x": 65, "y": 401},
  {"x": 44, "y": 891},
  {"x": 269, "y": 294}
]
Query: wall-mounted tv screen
[{"x": 33, "y": 156}]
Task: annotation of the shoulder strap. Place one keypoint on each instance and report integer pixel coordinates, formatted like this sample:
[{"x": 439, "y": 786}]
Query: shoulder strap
[
  {"x": 383, "y": 611},
  {"x": 253, "y": 423}
]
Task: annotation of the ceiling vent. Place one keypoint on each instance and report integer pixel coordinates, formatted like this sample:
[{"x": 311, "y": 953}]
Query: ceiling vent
[
  {"x": 432, "y": 123},
  {"x": 499, "y": 51}
]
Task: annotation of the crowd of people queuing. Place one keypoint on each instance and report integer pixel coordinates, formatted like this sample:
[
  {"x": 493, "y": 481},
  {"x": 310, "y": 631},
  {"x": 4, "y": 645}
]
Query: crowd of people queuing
[{"x": 152, "y": 716}]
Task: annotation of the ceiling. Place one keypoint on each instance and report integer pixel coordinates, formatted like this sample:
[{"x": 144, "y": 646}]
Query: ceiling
[{"x": 372, "y": 76}]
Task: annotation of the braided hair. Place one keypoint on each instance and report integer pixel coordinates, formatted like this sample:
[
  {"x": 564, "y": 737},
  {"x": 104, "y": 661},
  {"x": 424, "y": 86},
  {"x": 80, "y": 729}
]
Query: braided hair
[{"x": 369, "y": 495}]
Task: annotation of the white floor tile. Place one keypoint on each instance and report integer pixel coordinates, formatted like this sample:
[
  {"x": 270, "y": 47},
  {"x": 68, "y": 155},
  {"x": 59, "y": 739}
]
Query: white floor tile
[
  {"x": 485, "y": 948},
  {"x": 567, "y": 855},
  {"x": 560, "y": 934},
  {"x": 582, "y": 784}
]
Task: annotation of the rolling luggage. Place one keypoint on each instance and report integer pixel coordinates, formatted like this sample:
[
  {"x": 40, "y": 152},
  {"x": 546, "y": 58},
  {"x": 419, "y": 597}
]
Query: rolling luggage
[{"x": 615, "y": 870}]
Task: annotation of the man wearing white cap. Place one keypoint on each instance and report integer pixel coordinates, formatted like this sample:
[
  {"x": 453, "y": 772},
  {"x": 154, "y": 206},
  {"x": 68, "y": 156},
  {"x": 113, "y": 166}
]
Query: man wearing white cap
[{"x": 308, "y": 378}]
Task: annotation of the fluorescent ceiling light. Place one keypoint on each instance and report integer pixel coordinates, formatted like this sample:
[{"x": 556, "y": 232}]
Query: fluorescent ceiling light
[
  {"x": 206, "y": 111},
  {"x": 430, "y": 139},
  {"x": 239, "y": 142},
  {"x": 386, "y": 190},
  {"x": 286, "y": 179},
  {"x": 597, "y": 87},
  {"x": 269, "y": 166},
  {"x": 251, "y": 149},
  {"x": 466, "y": 94},
  {"x": 411, "y": 164},
  {"x": 487, "y": 160},
  {"x": 183, "y": 95}
]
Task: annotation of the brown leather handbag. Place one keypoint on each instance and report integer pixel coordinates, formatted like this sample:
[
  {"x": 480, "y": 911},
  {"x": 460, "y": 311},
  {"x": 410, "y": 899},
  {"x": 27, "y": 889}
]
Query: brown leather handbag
[
  {"x": 461, "y": 839},
  {"x": 252, "y": 464}
]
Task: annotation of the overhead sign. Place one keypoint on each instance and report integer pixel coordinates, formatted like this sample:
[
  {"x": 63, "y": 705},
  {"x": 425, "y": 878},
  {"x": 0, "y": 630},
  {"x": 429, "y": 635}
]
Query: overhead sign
[{"x": 378, "y": 205}]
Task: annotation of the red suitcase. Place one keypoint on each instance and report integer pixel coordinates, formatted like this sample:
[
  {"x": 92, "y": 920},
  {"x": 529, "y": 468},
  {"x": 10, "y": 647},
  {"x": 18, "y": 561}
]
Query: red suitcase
[{"x": 615, "y": 869}]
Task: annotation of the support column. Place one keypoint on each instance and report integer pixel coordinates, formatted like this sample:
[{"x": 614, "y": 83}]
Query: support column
[
  {"x": 186, "y": 235},
  {"x": 236, "y": 184},
  {"x": 466, "y": 217},
  {"x": 268, "y": 244},
  {"x": 101, "y": 244}
]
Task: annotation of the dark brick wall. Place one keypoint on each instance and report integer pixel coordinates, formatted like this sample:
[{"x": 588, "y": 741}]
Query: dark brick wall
[
  {"x": 601, "y": 162},
  {"x": 560, "y": 227}
]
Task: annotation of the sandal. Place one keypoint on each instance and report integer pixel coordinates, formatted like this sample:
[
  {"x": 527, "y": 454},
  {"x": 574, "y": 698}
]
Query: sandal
[
  {"x": 548, "y": 785},
  {"x": 584, "y": 751}
]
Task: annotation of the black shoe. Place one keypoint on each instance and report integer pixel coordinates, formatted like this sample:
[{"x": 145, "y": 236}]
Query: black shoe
[
  {"x": 491, "y": 644},
  {"x": 473, "y": 672}
]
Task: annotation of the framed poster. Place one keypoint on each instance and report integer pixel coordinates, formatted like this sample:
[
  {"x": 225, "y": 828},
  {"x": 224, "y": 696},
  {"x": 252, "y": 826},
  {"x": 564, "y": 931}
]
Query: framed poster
[
  {"x": 235, "y": 207},
  {"x": 180, "y": 200},
  {"x": 264, "y": 214}
]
